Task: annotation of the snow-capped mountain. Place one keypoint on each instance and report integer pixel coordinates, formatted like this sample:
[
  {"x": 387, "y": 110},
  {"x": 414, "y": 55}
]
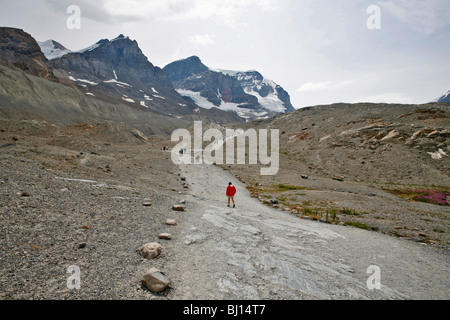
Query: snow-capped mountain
[
  {"x": 52, "y": 49},
  {"x": 270, "y": 95},
  {"x": 248, "y": 94},
  {"x": 117, "y": 71},
  {"x": 445, "y": 97}
]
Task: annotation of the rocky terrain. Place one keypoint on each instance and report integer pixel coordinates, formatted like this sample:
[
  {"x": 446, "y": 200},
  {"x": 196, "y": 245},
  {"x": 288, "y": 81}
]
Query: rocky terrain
[
  {"x": 110, "y": 203},
  {"x": 82, "y": 195}
]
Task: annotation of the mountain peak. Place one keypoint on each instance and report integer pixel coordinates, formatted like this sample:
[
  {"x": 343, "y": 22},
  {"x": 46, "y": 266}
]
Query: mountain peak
[
  {"x": 179, "y": 70},
  {"x": 121, "y": 36},
  {"x": 194, "y": 58}
]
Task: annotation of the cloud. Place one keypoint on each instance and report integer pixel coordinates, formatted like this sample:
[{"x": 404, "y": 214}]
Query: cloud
[
  {"x": 202, "y": 39},
  {"x": 226, "y": 13},
  {"x": 323, "y": 86},
  {"x": 426, "y": 17}
]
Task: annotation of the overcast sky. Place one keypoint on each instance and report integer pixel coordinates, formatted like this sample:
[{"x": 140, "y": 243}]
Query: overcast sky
[{"x": 320, "y": 51}]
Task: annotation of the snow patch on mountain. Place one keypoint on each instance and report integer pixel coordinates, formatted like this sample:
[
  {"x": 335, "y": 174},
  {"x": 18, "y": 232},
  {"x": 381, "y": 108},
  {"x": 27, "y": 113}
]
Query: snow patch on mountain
[
  {"x": 126, "y": 98},
  {"x": 119, "y": 83},
  {"x": 52, "y": 49},
  {"x": 90, "y": 48},
  {"x": 83, "y": 80},
  {"x": 198, "y": 99},
  {"x": 204, "y": 103}
]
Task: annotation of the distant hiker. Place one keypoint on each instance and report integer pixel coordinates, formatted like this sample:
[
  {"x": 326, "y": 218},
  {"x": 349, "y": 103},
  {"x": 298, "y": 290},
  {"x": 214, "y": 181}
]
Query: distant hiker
[{"x": 231, "y": 191}]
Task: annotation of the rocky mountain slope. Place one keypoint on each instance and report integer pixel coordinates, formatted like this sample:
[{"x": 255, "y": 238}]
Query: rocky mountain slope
[
  {"x": 247, "y": 93},
  {"x": 386, "y": 143},
  {"x": 23, "y": 96},
  {"x": 19, "y": 51}
]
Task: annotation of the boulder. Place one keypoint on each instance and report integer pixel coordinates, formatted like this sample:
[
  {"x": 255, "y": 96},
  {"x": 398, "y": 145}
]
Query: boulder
[
  {"x": 171, "y": 222},
  {"x": 155, "y": 281},
  {"x": 165, "y": 236},
  {"x": 150, "y": 250}
]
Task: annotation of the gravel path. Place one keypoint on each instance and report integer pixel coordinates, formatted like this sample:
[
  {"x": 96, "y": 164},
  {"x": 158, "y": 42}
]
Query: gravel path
[{"x": 257, "y": 252}]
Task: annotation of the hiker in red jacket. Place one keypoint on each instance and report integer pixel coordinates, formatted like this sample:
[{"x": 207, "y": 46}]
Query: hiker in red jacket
[{"x": 231, "y": 191}]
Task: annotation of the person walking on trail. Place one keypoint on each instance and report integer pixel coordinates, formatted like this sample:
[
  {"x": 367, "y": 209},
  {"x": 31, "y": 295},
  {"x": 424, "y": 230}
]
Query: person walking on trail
[{"x": 231, "y": 191}]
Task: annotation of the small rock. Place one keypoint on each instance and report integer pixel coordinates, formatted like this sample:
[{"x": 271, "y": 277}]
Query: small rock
[
  {"x": 398, "y": 227},
  {"x": 323, "y": 220},
  {"x": 171, "y": 222},
  {"x": 82, "y": 245},
  {"x": 177, "y": 208},
  {"x": 304, "y": 176},
  {"x": 182, "y": 202},
  {"x": 274, "y": 201},
  {"x": 147, "y": 204},
  {"x": 85, "y": 227},
  {"x": 165, "y": 236},
  {"x": 150, "y": 250},
  {"x": 155, "y": 281},
  {"x": 25, "y": 194},
  {"x": 422, "y": 234}
]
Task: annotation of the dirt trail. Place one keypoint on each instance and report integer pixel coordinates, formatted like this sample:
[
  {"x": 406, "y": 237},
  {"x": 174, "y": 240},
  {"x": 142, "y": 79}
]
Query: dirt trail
[{"x": 257, "y": 252}]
